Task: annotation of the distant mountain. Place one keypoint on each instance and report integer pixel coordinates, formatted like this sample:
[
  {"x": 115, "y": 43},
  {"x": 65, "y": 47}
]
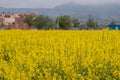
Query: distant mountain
[
  {"x": 102, "y": 13},
  {"x": 112, "y": 9}
]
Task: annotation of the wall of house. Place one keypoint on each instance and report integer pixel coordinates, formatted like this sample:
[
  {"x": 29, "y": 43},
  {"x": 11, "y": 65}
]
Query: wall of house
[{"x": 13, "y": 21}]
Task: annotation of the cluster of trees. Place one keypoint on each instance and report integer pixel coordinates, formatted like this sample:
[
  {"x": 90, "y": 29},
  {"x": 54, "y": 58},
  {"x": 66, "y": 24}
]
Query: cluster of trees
[
  {"x": 61, "y": 22},
  {"x": 38, "y": 22},
  {"x": 44, "y": 22}
]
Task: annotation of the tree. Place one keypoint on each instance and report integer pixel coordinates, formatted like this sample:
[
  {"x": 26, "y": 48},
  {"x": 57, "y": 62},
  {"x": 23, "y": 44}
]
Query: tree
[
  {"x": 91, "y": 23},
  {"x": 64, "y": 22},
  {"x": 96, "y": 24},
  {"x": 43, "y": 22},
  {"x": 113, "y": 22},
  {"x": 2, "y": 25},
  {"x": 76, "y": 23},
  {"x": 29, "y": 19}
]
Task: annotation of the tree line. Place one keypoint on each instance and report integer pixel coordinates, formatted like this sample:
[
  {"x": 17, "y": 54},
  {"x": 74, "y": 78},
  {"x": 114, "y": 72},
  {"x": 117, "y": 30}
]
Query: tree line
[{"x": 62, "y": 22}]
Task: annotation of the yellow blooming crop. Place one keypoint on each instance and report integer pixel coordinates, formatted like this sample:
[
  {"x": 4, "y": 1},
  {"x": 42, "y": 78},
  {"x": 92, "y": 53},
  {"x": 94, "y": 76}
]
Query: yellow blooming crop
[{"x": 59, "y": 55}]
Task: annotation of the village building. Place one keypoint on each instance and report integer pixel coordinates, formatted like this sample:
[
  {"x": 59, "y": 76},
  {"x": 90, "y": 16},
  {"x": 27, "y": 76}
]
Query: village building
[{"x": 13, "y": 21}]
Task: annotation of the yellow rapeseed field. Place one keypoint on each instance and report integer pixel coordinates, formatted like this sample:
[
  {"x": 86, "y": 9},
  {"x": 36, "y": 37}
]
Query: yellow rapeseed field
[{"x": 59, "y": 55}]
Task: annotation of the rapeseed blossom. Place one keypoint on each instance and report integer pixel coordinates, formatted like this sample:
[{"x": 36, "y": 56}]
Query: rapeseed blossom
[{"x": 60, "y": 55}]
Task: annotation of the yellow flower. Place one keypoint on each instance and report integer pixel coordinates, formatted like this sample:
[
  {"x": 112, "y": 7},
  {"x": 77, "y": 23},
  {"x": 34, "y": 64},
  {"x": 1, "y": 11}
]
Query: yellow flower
[{"x": 58, "y": 55}]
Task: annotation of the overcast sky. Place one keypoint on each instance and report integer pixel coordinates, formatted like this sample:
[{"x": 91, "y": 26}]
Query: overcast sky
[{"x": 49, "y": 3}]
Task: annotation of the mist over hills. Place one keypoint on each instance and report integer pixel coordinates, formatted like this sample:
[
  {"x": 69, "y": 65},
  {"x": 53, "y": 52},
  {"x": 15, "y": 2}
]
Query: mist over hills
[{"x": 103, "y": 14}]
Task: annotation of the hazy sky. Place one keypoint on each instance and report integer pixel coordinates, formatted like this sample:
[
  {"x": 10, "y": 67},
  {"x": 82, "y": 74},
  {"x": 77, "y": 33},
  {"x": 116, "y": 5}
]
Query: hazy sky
[{"x": 49, "y": 3}]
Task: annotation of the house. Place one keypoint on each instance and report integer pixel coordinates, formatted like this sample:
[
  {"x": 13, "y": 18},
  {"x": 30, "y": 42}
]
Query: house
[
  {"x": 13, "y": 21},
  {"x": 113, "y": 27}
]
